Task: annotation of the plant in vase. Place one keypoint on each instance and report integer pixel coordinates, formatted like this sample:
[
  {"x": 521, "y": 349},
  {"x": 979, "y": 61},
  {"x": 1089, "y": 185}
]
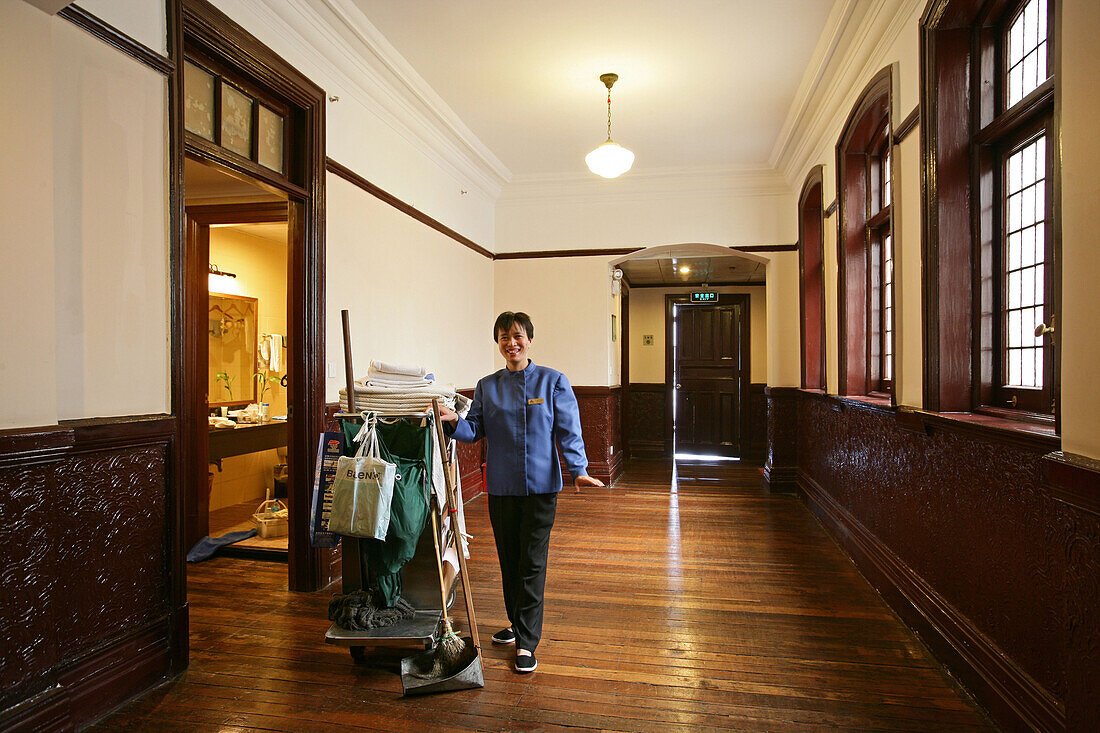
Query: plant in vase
[
  {"x": 263, "y": 384},
  {"x": 227, "y": 382}
]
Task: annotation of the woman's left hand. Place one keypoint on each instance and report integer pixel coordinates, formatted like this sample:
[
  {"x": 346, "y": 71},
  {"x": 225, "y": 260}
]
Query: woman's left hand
[{"x": 580, "y": 481}]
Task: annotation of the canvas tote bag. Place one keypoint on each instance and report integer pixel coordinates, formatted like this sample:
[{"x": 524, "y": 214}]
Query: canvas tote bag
[{"x": 363, "y": 489}]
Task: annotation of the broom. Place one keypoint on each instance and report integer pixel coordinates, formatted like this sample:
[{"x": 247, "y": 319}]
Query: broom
[{"x": 450, "y": 649}]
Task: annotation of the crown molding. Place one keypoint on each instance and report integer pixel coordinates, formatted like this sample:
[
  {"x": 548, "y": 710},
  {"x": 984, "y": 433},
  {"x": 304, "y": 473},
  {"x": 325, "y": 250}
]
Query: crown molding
[
  {"x": 827, "y": 49},
  {"x": 337, "y": 37},
  {"x": 645, "y": 185},
  {"x": 854, "y": 59}
]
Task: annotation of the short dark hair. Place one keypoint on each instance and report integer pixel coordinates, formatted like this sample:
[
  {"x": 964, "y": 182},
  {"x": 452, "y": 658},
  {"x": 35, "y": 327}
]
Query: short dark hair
[{"x": 507, "y": 319}]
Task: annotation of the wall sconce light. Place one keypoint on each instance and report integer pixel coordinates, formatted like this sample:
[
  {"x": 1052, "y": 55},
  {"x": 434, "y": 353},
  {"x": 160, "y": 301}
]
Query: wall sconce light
[{"x": 215, "y": 271}]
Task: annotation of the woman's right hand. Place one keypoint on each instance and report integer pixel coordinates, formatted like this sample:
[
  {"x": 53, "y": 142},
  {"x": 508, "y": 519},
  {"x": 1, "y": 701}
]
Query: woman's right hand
[{"x": 446, "y": 414}]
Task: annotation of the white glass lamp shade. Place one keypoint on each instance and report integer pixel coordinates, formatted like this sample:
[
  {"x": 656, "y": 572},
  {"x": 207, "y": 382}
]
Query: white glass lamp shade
[{"x": 610, "y": 160}]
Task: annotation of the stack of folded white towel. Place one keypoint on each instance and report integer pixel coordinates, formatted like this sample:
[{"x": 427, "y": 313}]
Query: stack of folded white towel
[{"x": 397, "y": 389}]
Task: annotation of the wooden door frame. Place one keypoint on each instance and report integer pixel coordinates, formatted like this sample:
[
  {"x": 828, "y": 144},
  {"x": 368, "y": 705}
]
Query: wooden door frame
[
  {"x": 744, "y": 372},
  {"x": 196, "y": 505},
  {"x": 197, "y": 24}
]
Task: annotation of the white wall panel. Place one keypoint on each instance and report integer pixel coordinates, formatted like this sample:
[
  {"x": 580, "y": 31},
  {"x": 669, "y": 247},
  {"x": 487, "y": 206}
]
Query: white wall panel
[
  {"x": 415, "y": 296},
  {"x": 27, "y": 380},
  {"x": 110, "y": 223}
]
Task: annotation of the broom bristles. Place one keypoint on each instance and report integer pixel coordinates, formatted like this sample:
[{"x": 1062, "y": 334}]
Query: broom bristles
[{"x": 447, "y": 654}]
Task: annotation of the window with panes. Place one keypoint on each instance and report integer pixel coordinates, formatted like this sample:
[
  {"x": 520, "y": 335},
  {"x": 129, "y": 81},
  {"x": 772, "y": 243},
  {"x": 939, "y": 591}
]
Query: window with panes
[
  {"x": 990, "y": 261},
  {"x": 1016, "y": 177},
  {"x": 880, "y": 304}
]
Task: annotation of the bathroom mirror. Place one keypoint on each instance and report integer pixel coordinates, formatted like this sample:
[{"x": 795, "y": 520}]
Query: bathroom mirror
[{"x": 233, "y": 353}]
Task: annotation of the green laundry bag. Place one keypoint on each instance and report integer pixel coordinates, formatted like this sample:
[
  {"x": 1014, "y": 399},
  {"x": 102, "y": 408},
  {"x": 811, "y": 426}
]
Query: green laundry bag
[{"x": 409, "y": 447}]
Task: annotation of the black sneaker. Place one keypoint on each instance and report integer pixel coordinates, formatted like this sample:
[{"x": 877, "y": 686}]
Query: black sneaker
[
  {"x": 505, "y": 636},
  {"x": 526, "y": 663}
]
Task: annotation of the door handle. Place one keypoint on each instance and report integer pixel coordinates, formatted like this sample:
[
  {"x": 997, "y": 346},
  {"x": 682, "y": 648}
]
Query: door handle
[{"x": 677, "y": 385}]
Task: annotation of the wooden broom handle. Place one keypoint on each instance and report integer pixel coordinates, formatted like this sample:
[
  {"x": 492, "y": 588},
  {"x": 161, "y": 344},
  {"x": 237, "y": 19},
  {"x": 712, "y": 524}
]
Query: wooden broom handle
[{"x": 456, "y": 532}]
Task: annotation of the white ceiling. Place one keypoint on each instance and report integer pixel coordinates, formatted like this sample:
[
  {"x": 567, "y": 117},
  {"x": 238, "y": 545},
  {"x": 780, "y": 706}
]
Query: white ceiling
[{"x": 702, "y": 83}]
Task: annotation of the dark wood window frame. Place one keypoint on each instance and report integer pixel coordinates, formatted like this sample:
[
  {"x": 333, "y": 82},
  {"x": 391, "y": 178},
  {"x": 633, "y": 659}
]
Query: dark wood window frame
[
  {"x": 811, "y": 274},
  {"x": 966, "y": 133},
  {"x": 858, "y": 152}
]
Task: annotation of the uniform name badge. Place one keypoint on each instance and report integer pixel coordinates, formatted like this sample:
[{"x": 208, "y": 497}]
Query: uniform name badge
[{"x": 535, "y": 401}]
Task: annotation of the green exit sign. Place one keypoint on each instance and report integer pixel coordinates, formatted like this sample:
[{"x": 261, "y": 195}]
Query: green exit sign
[{"x": 704, "y": 296}]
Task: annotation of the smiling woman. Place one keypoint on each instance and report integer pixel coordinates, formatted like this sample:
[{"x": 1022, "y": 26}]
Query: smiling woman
[{"x": 523, "y": 411}]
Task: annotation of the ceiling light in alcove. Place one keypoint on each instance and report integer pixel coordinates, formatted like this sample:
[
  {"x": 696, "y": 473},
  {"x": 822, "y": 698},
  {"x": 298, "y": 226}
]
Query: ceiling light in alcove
[
  {"x": 610, "y": 160},
  {"x": 684, "y": 270}
]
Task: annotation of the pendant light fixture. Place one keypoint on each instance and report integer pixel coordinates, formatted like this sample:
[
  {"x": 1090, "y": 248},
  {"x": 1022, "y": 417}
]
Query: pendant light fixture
[{"x": 610, "y": 160}]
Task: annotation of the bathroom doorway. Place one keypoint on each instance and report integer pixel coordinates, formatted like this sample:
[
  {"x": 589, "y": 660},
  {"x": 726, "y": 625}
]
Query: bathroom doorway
[{"x": 240, "y": 230}]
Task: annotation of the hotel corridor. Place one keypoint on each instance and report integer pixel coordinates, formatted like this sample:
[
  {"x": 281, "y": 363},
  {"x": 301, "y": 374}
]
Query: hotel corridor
[{"x": 683, "y": 598}]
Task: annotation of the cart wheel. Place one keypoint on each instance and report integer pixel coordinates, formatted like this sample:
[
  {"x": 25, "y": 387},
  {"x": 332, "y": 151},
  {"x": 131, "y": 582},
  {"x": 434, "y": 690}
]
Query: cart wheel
[{"x": 358, "y": 654}]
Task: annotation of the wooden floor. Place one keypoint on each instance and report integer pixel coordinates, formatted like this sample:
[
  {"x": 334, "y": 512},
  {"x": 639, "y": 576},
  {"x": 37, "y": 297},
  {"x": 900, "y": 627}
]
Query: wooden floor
[{"x": 687, "y": 602}]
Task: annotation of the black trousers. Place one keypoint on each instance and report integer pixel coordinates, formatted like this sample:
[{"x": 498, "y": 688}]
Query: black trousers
[{"x": 521, "y": 528}]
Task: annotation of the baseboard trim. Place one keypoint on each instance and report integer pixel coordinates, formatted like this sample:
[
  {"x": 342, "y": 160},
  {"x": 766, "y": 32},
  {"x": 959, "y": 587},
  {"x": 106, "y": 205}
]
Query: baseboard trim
[
  {"x": 93, "y": 685},
  {"x": 1012, "y": 697},
  {"x": 780, "y": 479}
]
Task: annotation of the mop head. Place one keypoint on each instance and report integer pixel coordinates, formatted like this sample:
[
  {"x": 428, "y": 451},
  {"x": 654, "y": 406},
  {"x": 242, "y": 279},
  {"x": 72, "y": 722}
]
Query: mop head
[
  {"x": 359, "y": 611},
  {"x": 447, "y": 655}
]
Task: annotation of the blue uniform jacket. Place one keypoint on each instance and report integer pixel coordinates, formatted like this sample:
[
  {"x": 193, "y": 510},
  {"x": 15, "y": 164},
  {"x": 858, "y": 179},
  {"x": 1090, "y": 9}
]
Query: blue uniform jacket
[{"x": 522, "y": 414}]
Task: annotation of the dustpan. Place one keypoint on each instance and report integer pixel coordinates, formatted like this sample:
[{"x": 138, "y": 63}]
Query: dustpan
[{"x": 468, "y": 677}]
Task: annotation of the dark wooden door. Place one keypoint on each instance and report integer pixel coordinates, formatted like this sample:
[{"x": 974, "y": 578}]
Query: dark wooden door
[{"x": 707, "y": 379}]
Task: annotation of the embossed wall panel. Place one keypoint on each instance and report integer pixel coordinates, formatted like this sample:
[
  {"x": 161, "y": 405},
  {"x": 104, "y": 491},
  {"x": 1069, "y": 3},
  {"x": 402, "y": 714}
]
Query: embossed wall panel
[
  {"x": 85, "y": 615},
  {"x": 112, "y": 543},
  {"x": 968, "y": 516},
  {"x": 28, "y": 572},
  {"x": 600, "y": 428},
  {"x": 646, "y": 418}
]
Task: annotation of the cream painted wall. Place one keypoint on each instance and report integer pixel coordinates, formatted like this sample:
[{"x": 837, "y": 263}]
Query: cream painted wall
[
  {"x": 647, "y": 317},
  {"x": 261, "y": 268},
  {"x": 784, "y": 346},
  {"x": 111, "y": 230},
  {"x": 908, "y": 341},
  {"x": 360, "y": 136},
  {"x": 902, "y": 51},
  {"x": 28, "y": 381},
  {"x": 1080, "y": 401},
  {"x": 91, "y": 209},
  {"x": 140, "y": 19},
  {"x": 569, "y": 301},
  {"x": 416, "y": 296},
  {"x": 555, "y": 222}
]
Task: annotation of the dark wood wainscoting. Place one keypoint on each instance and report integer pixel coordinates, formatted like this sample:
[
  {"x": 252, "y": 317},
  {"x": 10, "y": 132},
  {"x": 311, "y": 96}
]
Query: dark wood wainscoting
[
  {"x": 754, "y": 424},
  {"x": 646, "y": 420},
  {"x": 781, "y": 462},
  {"x": 86, "y": 620},
  {"x": 600, "y": 420},
  {"x": 983, "y": 541}
]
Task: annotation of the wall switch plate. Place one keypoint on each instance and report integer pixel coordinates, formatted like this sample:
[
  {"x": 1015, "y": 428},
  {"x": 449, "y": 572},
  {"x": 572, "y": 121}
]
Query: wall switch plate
[{"x": 331, "y": 370}]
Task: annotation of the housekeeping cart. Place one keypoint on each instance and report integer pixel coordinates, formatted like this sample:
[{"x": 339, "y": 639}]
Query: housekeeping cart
[{"x": 422, "y": 575}]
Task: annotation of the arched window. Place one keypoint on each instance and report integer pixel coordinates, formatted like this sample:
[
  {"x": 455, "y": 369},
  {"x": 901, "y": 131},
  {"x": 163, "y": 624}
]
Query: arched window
[
  {"x": 811, "y": 251},
  {"x": 991, "y": 221},
  {"x": 865, "y": 315}
]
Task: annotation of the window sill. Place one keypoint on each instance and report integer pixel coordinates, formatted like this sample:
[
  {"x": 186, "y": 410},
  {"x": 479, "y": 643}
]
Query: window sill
[{"x": 1003, "y": 429}]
